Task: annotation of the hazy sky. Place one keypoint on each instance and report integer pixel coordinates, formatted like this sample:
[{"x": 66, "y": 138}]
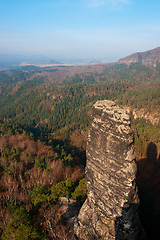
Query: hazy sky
[{"x": 79, "y": 28}]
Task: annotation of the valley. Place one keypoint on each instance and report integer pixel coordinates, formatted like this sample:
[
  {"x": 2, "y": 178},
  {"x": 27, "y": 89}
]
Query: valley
[{"x": 45, "y": 115}]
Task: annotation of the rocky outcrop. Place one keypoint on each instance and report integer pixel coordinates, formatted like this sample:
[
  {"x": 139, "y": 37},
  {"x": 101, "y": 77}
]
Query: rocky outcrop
[
  {"x": 111, "y": 209},
  {"x": 142, "y": 114}
]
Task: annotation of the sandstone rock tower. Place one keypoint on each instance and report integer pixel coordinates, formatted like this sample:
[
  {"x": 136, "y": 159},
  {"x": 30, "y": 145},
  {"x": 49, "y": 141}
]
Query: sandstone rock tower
[{"x": 111, "y": 209}]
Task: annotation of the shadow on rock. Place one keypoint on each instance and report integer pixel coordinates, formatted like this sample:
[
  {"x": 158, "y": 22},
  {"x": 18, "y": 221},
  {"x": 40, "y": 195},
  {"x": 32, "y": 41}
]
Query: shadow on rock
[
  {"x": 152, "y": 152},
  {"x": 128, "y": 225},
  {"x": 148, "y": 182}
]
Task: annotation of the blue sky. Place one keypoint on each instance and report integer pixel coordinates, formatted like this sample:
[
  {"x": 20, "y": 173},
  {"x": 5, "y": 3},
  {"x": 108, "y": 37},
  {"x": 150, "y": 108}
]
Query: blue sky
[{"x": 108, "y": 29}]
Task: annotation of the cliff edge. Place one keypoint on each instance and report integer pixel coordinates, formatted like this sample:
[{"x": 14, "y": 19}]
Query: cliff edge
[{"x": 111, "y": 209}]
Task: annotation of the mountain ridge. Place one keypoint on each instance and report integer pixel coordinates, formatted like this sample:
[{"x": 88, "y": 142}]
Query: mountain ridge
[{"x": 149, "y": 57}]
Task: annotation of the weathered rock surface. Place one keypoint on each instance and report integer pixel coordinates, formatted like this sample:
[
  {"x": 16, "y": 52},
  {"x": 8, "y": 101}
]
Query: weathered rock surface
[{"x": 111, "y": 208}]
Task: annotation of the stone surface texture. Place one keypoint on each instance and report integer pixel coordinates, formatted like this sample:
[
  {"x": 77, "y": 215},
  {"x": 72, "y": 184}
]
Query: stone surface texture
[{"x": 111, "y": 209}]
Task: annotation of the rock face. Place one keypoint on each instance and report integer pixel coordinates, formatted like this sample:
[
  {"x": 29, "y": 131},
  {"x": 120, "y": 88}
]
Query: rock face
[{"x": 111, "y": 209}]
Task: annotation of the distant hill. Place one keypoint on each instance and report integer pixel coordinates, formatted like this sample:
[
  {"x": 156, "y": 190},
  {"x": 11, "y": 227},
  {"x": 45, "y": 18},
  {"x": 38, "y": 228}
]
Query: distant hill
[
  {"x": 11, "y": 61},
  {"x": 151, "y": 57},
  {"x": 95, "y": 62},
  {"x": 53, "y": 61}
]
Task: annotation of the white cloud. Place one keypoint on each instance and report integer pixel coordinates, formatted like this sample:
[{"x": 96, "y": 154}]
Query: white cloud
[
  {"x": 96, "y": 3},
  {"x": 100, "y": 3},
  {"x": 118, "y": 1}
]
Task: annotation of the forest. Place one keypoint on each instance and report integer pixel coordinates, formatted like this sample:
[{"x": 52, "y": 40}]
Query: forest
[{"x": 45, "y": 115}]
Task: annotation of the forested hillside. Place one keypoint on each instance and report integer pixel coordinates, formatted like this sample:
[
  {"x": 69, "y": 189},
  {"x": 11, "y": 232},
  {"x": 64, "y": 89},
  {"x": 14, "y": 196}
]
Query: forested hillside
[
  {"x": 148, "y": 58},
  {"x": 45, "y": 115},
  {"x": 33, "y": 178}
]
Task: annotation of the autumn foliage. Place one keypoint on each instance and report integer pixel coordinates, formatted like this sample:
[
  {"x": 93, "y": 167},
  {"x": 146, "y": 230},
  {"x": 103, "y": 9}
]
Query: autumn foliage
[{"x": 33, "y": 177}]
